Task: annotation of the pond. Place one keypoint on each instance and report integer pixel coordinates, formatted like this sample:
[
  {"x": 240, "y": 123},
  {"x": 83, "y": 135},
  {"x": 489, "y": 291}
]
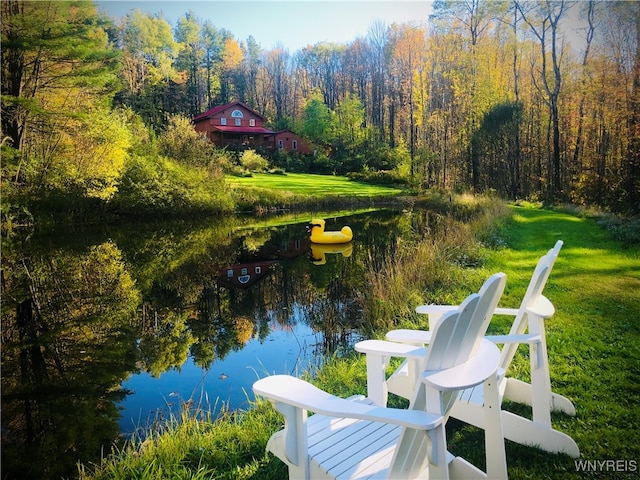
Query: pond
[{"x": 110, "y": 329}]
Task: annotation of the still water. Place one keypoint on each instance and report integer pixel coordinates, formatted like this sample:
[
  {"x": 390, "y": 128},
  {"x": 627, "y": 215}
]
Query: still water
[{"x": 109, "y": 329}]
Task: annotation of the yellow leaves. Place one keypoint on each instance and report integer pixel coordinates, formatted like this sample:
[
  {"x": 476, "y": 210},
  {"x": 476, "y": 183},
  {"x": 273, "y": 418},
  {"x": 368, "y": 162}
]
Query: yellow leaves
[
  {"x": 95, "y": 156},
  {"x": 149, "y": 40},
  {"x": 183, "y": 144},
  {"x": 232, "y": 54},
  {"x": 243, "y": 328},
  {"x": 76, "y": 289}
]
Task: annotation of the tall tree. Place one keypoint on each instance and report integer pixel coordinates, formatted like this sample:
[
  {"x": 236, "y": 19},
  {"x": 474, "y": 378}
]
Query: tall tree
[
  {"x": 318, "y": 119},
  {"x": 516, "y": 185},
  {"x": 407, "y": 56},
  {"x": 631, "y": 185},
  {"x": 472, "y": 17},
  {"x": 188, "y": 35},
  {"x": 276, "y": 63},
  {"x": 251, "y": 65},
  {"x": 232, "y": 56},
  {"x": 590, "y": 14},
  {"x": 324, "y": 63},
  {"x": 377, "y": 40},
  {"x": 212, "y": 41},
  {"x": 357, "y": 71},
  {"x": 149, "y": 52},
  {"x": 348, "y": 132},
  {"x": 544, "y": 21}
]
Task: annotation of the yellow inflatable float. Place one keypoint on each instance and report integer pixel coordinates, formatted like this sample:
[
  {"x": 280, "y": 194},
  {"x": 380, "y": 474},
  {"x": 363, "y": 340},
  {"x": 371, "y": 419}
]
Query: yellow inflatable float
[{"x": 318, "y": 235}]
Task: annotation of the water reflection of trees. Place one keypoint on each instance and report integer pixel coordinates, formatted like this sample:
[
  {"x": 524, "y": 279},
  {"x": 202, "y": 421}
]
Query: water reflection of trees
[{"x": 67, "y": 344}]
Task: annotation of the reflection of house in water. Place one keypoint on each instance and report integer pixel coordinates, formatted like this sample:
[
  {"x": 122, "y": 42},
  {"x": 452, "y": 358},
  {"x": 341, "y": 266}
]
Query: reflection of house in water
[{"x": 244, "y": 275}]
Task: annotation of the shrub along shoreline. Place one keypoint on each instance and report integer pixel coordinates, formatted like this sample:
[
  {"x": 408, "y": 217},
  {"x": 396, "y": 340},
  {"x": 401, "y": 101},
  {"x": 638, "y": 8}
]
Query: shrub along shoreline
[{"x": 593, "y": 343}]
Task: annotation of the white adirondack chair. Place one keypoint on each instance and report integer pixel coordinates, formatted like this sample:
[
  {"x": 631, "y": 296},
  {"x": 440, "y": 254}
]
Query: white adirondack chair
[
  {"x": 533, "y": 311},
  {"x": 355, "y": 438}
]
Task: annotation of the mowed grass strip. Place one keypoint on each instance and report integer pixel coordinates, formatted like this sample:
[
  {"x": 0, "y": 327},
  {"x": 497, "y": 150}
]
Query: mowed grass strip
[
  {"x": 593, "y": 341},
  {"x": 310, "y": 184}
]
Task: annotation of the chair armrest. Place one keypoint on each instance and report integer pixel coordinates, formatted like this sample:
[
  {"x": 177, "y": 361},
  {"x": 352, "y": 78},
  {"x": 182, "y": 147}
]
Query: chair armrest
[
  {"x": 412, "y": 337},
  {"x": 542, "y": 307},
  {"x": 390, "y": 349},
  {"x": 303, "y": 395},
  {"x": 524, "y": 338},
  {"x": 468, "y": 374},
  {"x": 427, "y": 309}
]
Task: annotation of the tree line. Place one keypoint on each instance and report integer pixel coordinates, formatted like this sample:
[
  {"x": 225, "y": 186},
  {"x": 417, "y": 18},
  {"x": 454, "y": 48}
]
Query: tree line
[{"x": 507, "y": 96}]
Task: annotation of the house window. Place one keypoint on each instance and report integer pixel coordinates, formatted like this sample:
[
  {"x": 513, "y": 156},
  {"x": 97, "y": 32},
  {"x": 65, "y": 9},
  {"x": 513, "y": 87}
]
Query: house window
[
  {"x": 294, "y": 144},
  {"x": 252, "y": 122},
  {"x": 236, "y": 114},
  {"x": 244, "y": 271},
  {"x": 258, "y": 270},
  {"x": 280, "y": 144},
  {"x": 230, "y": 273},
  {"x": 238, "y": 122},
  {"x": 223, "y": 120}
]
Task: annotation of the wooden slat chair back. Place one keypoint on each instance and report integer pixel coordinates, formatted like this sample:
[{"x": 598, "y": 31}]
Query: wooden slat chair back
[
  {"x": 356, "y": 438},
  {"x": 532, "y": 297},
  {"x": 527, "y": 328},
  {"x": 462, "y": 344}
]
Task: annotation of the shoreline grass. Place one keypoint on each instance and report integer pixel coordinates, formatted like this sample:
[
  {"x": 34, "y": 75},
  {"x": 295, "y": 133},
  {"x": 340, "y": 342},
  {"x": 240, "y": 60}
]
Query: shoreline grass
[{"x": 593, "y": 344}]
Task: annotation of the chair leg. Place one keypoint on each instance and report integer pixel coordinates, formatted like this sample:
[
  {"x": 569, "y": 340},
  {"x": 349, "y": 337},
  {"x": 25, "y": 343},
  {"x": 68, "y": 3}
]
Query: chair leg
[
  {"x": 376, "y": 379},
  {"x": 525, "y": 432},
  {"x": 493, "y": 434},
  {"x": 522, "y": 392},
  {"x": 540, "y": 375},
  {"x": 438, "y": 467},
  {"x": 519, "y": 429}
]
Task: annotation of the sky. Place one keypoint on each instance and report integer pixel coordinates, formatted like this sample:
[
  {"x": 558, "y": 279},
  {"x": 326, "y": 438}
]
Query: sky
[{"x": 291, "y": 23}]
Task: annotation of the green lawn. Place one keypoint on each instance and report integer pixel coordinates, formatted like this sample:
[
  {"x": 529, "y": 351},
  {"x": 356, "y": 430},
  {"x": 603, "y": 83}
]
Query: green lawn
[
  {"x": 308, "y": 184},
  {"x": 593, "y": 340}
]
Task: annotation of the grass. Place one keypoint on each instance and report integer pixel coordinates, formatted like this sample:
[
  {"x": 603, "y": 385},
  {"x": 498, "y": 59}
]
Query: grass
[
  {"x": 593, "y": 345},
  {"x": 265, "y": 192},
  {"x": 309, "y": 184},
  {"x": 594, "y": 338},
  {"x": 194, "y": 447},
  {"x": 435, "y": 269}
]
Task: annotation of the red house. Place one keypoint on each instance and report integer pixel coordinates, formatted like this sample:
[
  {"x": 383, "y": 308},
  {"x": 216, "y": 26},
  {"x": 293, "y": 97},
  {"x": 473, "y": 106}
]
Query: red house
[
  {"x": 238, "y": 125},
  {"x": 234, "y": 124},
  {"x": 290, "y": 142}
]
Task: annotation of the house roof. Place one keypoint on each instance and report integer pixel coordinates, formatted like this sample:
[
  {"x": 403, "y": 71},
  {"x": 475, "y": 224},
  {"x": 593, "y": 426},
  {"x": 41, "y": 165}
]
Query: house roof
[
  {"x": 220, "y": 108},
  {"x": 228, "y": 129}
]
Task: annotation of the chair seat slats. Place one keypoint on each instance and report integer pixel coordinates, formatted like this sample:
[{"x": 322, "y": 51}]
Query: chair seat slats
[{"x": 353, "y": 449}]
